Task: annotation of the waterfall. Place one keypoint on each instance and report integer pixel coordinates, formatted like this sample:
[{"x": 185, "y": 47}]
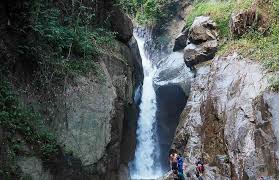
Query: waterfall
[{"x": 144, "y": 165}]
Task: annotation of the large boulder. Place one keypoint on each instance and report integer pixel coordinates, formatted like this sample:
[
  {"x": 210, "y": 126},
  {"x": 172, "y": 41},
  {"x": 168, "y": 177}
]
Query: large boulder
[
  {"x": 242, "y": 22},
  {"x": 88, "y": 118},
  {"x": 232, "y": 117},
  {"x": 181, "y": 40},
  {"x": 122, "y": 25},
  {"x": 202, "y": 29},
  {"x": 94, "y": 109},
  {"x": 195, "y": 54}
]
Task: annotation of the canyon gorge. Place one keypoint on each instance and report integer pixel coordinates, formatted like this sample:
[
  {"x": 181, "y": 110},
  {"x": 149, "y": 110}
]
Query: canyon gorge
[{"x": 102, "y": 90}]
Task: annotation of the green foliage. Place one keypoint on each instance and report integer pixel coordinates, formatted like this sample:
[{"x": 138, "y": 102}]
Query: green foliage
[
  {"x": 27, "y": 177},
  {"x": 258, "y": 46},
  {"x": 227, "y": 159},
  {"x": 130, "y": 6},
  {"x": 15, "y": 118},
  {"x": 275, "y": 6},
  {"x": 220, "y": 11},
  {"x": 48, "y": 150},
  {"x": 274, "y": 81},
  {"x": 50, "y": 29},
  {"x": 71, "y": 41},
  {"x": 151, "y": 12},
  {"x": 78, "y": 37},
  {"x": 254, "y": 44},
  {"x": 148, "y": 12},
  {"x": 65, "y": 40},
  {"x": 8, "y": 168},
  {"x": 16, "y": 146}
]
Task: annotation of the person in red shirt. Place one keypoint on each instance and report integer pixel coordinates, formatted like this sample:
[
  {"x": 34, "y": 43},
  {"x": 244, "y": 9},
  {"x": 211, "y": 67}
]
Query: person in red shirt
[{"x": 200, "y": 166}]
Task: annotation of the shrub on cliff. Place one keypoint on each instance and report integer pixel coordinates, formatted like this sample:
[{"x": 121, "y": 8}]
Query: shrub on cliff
[
  {"x": 149, "y": 12},
  {"x": 71, "y": 40},
  {"x": 255, "y": 42},
  {"x": 219, "y": 11},
  {"x": 17, "y": 120},
  {"x": 43, "y": 44}
]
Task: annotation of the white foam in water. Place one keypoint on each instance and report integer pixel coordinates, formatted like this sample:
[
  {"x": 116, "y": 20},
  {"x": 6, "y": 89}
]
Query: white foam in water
[{"x": 144, "y": 163}]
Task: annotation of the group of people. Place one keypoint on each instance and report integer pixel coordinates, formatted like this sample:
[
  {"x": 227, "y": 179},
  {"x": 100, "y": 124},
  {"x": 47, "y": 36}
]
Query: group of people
[{"x": 177, "y": 166}]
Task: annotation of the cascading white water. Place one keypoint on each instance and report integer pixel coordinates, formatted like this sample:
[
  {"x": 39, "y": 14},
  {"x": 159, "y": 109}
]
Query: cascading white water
[{"x": 144, "y": 165}]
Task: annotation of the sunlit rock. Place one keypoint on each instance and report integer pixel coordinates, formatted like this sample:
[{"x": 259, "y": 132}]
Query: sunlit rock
[
  {"x": 195, "y": 54},
  {"x": 231, "y": 114},
  {"x": 203, "y": 29}
]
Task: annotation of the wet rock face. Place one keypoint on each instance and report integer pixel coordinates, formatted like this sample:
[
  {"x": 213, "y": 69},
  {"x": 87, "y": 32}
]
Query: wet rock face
[
  {"x": 168, "y": 117},
  {"x": 138, "y": 70},
  {"x": 266, "y": 132},
  {"x": 181, "y": 40},
  {"x": 172, "y": 70},
  {"x": 203, "y": 42},
  {"x": 272, "y": 101},
  {"x": 230, "y": 114}
]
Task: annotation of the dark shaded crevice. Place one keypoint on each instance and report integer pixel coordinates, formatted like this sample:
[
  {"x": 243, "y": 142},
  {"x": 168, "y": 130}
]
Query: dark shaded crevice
[
  {"x": 131, "y": 111},
  {"x": 128, "y": 143},
  {"x": 171, "y": 101},
  {"x": 212, "y": 131},
  {"x": 129, "y": 136}
]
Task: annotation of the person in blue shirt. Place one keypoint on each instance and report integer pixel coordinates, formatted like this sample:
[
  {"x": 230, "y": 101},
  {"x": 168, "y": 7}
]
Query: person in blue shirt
[{"x": 180, "y": 167}]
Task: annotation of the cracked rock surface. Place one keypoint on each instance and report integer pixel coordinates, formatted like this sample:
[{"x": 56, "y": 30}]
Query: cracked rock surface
[{"x": 231, "y": 115}]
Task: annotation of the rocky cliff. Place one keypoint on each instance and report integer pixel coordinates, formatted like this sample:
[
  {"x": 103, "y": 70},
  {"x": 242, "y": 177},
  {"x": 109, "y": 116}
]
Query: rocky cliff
[
  {"x": 90, "y": 123},
  {"x": 88, "y": 120},
  {"x": 85, "y": 112},
  {"x": 230, "y": 119},
  {"x": 229, "y": 116}
]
